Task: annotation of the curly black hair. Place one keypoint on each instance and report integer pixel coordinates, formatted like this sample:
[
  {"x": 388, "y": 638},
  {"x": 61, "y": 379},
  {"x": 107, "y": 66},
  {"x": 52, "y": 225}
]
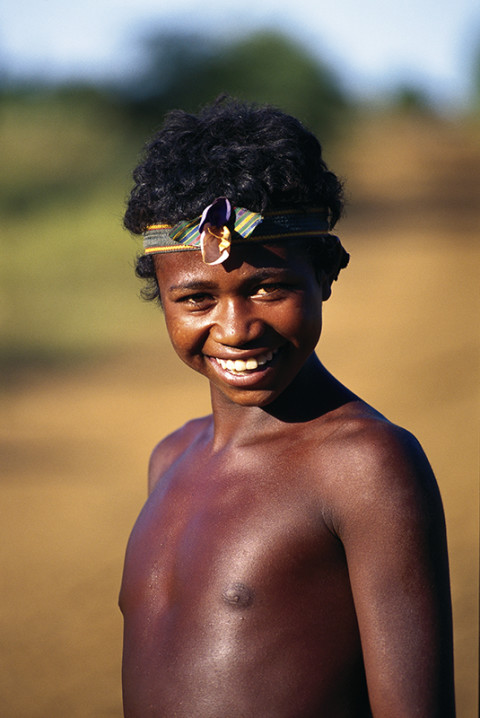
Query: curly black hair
[{"x": 256, "y": 155}]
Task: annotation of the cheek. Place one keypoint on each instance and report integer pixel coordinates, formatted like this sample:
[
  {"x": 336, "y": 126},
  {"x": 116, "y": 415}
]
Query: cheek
[
  {"x": 186, "y": 336},
  {"x": 175, "y": 328},
  {"x": 311, "y": 331},
  {"x": 304, "y": 325}
]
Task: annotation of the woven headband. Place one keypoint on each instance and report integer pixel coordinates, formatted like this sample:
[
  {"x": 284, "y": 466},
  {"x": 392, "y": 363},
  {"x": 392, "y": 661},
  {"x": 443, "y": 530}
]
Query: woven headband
[{"x": 220, "y": 224}]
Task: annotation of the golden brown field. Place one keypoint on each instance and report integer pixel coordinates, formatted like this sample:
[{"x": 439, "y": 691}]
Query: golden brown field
[{"x": 401, "y": 329}]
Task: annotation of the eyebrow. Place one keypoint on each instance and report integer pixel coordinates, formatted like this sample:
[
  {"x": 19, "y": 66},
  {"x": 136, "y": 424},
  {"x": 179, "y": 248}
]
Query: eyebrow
[
  {"x": 193, "y": 285},
  {"x": 257, "y": 276}
]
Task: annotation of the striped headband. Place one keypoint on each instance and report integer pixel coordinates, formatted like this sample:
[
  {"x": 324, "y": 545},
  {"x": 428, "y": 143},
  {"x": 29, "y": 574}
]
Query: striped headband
[{"x": 220, "y": 224}]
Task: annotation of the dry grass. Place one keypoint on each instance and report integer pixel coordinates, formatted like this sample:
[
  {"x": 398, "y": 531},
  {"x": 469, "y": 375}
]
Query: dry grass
[{"x": 400, "y": 329}]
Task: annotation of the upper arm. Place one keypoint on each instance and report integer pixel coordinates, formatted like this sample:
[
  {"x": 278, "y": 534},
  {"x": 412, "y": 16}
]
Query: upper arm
[
  {"x": 392, "y": 527},
  {"x": 161, "y": 458}
]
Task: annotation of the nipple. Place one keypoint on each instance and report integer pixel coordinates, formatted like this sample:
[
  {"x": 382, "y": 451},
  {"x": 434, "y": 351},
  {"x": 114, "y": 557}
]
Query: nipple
[{"x": 237, "y": 594}]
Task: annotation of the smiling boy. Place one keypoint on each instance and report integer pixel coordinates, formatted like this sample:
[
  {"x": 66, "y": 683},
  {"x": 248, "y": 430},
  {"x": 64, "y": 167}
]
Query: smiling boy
[{"x": 290, "y": 561}]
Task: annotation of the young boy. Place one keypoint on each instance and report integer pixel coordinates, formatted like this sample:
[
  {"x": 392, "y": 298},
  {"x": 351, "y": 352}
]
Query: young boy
[{"x": 291, "y": 560}]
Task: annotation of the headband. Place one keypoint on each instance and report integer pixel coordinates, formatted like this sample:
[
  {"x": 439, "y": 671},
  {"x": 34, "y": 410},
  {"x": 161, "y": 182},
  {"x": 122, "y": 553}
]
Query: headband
[{"x": 221, "y": 223}]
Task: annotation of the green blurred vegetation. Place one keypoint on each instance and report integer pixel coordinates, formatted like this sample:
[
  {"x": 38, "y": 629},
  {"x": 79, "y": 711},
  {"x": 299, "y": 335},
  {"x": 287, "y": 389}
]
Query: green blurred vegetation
[
  {"x": 67, "y": 287},
  {"x": 65, "y": 274},
  {"x": 186, "y": 70}
]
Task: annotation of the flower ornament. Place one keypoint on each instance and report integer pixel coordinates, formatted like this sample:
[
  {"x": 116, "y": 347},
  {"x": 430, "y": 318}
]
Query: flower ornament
[
  {"x": 215, "y": 232},
  {"x": 221, "y": 224}
]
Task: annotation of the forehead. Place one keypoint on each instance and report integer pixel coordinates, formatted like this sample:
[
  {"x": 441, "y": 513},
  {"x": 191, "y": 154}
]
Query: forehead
[{"x": 245, "y": 260}]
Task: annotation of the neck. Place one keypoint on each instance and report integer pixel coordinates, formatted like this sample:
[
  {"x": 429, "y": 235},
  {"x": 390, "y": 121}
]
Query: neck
[{"x": 313, "y": 393}]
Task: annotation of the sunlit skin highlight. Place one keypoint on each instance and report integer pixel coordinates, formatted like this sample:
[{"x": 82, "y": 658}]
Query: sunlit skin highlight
[
  {"x": 263, "y": 306},
  {"x": 290, "y": 561}
]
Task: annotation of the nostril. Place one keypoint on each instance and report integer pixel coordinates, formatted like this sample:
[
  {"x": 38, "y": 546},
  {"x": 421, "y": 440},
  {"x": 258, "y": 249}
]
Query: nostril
[{"x": 236, "y": 327}]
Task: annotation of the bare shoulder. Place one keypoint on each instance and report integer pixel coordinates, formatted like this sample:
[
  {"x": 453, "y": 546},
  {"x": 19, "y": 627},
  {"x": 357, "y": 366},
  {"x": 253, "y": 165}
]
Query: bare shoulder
[
  {"x": 169, "y": 449},
  {"x": 373, "y": 464},
  {"x": 384, "y": 505},
  {"x": 371, "y": 448}
]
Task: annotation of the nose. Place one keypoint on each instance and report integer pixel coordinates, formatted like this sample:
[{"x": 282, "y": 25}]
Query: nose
[{"x": 236, "y": 323}]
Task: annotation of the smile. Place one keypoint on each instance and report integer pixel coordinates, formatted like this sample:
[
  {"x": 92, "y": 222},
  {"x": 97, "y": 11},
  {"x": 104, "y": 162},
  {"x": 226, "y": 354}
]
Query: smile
[{"x": 240, "y": 366}]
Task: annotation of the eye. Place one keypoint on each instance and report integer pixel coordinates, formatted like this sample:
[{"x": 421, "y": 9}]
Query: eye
[
  {"x": 272, "y": 290},
  {"x": 199, "y": 300}
]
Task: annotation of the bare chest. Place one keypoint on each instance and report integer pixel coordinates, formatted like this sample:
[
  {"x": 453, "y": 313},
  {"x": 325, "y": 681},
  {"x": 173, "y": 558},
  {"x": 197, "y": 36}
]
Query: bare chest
[
  {"x": 240, "y": 533},
  {"x": 232, "y": 585}
]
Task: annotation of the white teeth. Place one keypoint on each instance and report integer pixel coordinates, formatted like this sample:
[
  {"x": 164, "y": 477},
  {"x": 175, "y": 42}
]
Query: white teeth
[{"x": 238, "y": 365}]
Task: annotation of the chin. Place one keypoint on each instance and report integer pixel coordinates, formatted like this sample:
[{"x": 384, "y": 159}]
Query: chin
[{"x": 248, "y": 399}]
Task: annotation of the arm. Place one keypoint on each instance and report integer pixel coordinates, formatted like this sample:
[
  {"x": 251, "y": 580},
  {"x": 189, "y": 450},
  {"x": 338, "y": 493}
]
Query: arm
[{"x": 393, "y": 531}]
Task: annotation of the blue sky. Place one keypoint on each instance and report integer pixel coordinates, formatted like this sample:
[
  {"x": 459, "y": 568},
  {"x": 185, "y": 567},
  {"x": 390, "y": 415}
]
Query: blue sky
[{"x": 372, "y": 44}]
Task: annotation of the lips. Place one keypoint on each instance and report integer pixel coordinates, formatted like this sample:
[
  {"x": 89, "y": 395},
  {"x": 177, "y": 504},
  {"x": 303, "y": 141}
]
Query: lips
[{"x": 241, "y": 366}]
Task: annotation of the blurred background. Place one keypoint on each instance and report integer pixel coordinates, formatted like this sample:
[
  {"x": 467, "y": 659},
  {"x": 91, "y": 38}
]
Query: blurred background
[{"x": 88, "y": 381}]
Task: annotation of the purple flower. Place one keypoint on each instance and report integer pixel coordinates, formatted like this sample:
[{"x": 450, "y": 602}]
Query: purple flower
[
  {"x": 215, "y": 235},
  {"x": 216, "y": 214}
]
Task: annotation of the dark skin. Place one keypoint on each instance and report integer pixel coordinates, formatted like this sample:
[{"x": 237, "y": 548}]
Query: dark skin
[{"x": 291, "y": 559}]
